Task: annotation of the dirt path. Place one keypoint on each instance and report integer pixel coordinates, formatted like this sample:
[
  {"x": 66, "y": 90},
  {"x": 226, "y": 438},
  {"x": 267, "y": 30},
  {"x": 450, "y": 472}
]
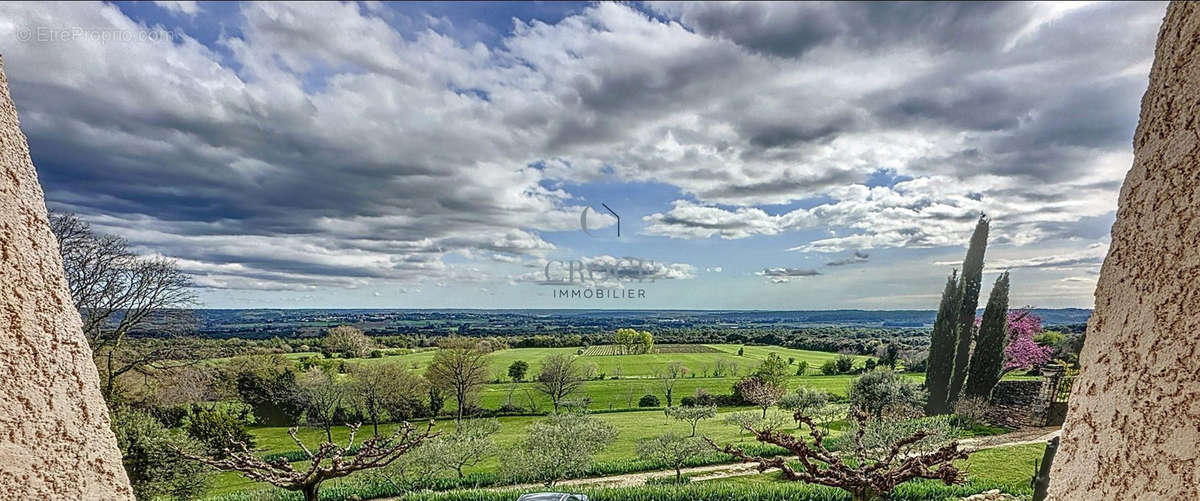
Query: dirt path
[{"x": 713, "y": 472}]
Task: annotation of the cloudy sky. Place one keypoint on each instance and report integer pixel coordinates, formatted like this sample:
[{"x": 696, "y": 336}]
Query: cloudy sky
[{"x": 759, "y": 155}]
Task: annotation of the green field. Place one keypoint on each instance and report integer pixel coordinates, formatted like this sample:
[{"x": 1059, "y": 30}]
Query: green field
[
  {"x": 628, "y": 377},
  {"x": 631, "y": 427},
  {"x": 637, "y": 378},
  {"x": 624, "y": 393},
  {"x": 633, "y": 366},
  {"x": 1007, "y": 466}
]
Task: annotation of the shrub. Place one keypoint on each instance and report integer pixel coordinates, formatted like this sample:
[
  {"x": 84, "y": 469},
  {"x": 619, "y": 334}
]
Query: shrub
[
  {"x": 970, "y": 412},
  {"x": 648, "y": 401},
  {"x": 801, "y": 368},
  {"x": 687, "y": 401},
  {"x": 148, "y": 453},
  {"x": 704, "y": 398},
  {"x": 870, "y": 364},
  {"x": 215, "y": 427},
  {"x": 829, "y": 368},
  {"x": 845, "y": 364}
]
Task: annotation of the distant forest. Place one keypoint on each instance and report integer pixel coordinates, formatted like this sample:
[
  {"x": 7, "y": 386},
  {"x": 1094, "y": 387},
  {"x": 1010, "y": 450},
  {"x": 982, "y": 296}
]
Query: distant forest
[{"x": 859, "y": 331}]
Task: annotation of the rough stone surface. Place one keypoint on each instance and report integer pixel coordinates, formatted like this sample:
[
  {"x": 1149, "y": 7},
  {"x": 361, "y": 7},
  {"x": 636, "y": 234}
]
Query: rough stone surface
[
  {"x": 1018, "y": 393},
  {"x": 992, "y": 495},
  {"x": 55, "y": 440},
  {"x": 1133, "y": 427}
]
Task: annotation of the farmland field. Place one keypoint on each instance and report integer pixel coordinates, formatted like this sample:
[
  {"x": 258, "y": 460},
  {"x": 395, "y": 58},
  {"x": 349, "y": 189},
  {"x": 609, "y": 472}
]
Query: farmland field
[
  {"x": 634, "y": 366},
  {"x": 606, "y": 350},
  {"x": 1009, "y": 467}
]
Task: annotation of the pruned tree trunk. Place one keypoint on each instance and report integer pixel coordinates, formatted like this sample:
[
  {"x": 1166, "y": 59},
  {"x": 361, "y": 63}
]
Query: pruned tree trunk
[{"x": 310, "y": 491}]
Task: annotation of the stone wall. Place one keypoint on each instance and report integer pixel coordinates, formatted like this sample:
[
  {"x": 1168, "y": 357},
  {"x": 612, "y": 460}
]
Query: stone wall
[
  {"x": 1018, "y": 393},
  {"x": 1013, "y": 402},
  {"x": 1133, "y": 424},
  {"x": 55, "y": 441}
]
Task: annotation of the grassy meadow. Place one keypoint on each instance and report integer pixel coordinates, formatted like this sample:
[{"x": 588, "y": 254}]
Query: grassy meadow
[
  {"x": 626, "y": 379},
  {"x": 627, "y": 366}
]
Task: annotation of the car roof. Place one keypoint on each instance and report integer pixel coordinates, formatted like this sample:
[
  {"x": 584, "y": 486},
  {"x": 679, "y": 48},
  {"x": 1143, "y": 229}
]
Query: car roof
[{"x": 544, "y": 496}]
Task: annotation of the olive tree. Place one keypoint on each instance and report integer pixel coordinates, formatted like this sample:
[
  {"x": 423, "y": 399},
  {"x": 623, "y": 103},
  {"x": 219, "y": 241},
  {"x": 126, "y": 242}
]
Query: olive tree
[
  {"x": 559, "y": 447},
  {"x": 673, "y": 450},
  {"x": 470, "y": 444},
  {"x": 805, "y": 401},
  {"x": 882, "y": 391},
  {"x": 692, "y": 415},
  {"x": 885, "y": 453},
  {"x": 327, "y": 462}
]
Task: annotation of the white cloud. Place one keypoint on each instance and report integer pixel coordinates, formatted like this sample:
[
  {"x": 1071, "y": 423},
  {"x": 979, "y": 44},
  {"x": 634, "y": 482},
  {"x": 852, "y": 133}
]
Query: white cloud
[{"x": 321, "y": 144}]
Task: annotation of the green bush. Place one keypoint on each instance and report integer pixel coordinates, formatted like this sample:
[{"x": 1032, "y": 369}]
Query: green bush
[
  {"x": 845, "y": 364},
  {"x": 148, "y": 453},
  {"x": 648, "y": 401},
  {"x": 829, "y": 368},
  {"x": 216, "y": 427}
]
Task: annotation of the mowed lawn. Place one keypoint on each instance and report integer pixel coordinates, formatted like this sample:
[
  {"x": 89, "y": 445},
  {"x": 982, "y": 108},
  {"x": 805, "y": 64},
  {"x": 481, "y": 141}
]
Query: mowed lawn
[
  {"x": 634, "y": 366},
  {"x": 1011, "y": 467},
  {"x": 628, "y": 377},
  {"x": 631, "y": 426},
  {"x": 624, "y": 393}
]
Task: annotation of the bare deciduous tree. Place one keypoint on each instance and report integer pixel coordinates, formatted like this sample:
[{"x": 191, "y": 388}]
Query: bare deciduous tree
[
  {"x": 117, "y": 292},
  {"x": 760, "y": 392},
  {"x": 461, "y": 366},
  {"x": 671, "y": 374},
  {"x": 558, "y": 378},
  {"x": 327, "y": 462},
  {"x": 322, "y": 395},
  {"x": 379, "y": 388}
]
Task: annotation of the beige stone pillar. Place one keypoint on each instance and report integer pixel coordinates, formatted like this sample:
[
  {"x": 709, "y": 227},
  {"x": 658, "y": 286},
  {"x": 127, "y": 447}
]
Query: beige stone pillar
[
  {"x": 1133, "y": 426},
  {"x": 55, "y": 440}
]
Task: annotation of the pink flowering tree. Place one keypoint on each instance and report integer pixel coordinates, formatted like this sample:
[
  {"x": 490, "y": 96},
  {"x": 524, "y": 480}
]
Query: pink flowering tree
[{"x": 1022, "y": 352}]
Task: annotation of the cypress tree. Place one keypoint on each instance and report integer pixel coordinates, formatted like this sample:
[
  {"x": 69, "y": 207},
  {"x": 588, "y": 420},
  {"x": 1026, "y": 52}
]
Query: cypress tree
[
  {"x": 969, "y": 284},
  {"x": 988, "y": 358},
  {"x": 941, "y": 349}
]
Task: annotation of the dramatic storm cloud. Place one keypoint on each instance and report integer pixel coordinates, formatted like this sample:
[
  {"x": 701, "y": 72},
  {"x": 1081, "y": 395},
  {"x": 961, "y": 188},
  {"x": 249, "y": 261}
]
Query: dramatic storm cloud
[{"x": 326, "y": 147}]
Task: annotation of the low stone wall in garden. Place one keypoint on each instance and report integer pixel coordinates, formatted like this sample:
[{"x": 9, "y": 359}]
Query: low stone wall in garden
[{"x": 1013, "y": 403}]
